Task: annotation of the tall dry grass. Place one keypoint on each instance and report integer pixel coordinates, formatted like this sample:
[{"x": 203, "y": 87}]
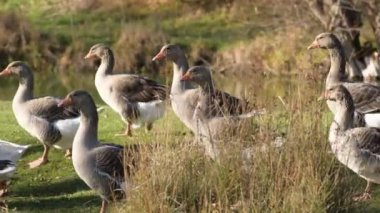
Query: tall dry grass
[{"x": 301, "y": 176}]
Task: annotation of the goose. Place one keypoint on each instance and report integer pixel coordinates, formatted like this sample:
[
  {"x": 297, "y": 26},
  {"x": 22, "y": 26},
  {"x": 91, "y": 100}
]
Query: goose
[
  {"x": 372, "y": 71},
  {"x": 366, "y": 96},
  {"x": 184, "y": 95},
  {"x": 40, "y": 117},
  {"x": 100, "y": 166},
  {"x": 137, "y": 99},
  {"x": 358, "y": 148},
  {"x": 213, "y": 116},
  {"x": 9, "y": 155}
]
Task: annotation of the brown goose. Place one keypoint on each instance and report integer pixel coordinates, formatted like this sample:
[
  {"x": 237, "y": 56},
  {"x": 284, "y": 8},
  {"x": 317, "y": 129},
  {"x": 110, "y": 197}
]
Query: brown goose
[
  {"x": 184, "y": 95},
  {"x": 365, "y": 96},
  {"x": 101, "y": 166},
  {"x": 356, "y": 148},
  {"x": 137, "y": 99},
  {"x": 41, "y": 117}
]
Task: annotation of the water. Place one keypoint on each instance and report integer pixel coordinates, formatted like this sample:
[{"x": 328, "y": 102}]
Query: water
[{"x": 253, "y": 87}]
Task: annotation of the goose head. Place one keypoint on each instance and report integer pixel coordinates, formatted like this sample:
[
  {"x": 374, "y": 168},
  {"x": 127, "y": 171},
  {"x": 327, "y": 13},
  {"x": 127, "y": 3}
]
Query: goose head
[
  {"x": 341, "y": 96},
  {"x": 325, "y": 41},
  {"x": 18, "y": 68},
  {"x": 81, "y": 100},
  {"x": 97, "y": 51},
  {"x": 170, "y": 52},
  {"x": 198, "y": 74}
]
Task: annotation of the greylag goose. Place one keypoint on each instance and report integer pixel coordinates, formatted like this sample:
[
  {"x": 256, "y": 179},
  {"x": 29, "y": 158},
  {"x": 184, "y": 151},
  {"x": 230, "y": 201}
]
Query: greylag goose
[
  {"x": 138, "y": 100},
  {"x": 214, "y": 110},
  {"x": 100, "y": 166},
  {"x": 357, "y": 148},
  {"x": 184, "y": 95},
  {"x": 9, "y": 155},
  {"x": 41, "y": 117},
  {"x": 365, "y": 96}
]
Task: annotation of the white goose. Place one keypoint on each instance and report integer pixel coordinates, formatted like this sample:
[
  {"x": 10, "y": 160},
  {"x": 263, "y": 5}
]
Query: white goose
[
  {"x": 357, "y": 148},
  {"x": 41, "y": 117},
  {"x": 366, "y": 96},
  {"x": 9, "y": 155}
]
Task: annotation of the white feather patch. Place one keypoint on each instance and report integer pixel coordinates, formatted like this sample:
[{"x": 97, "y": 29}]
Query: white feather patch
[
  {"x": 149, "y": 112},
  {"x": 68, "y": 128},
  {"x": 372, "y": 120}
]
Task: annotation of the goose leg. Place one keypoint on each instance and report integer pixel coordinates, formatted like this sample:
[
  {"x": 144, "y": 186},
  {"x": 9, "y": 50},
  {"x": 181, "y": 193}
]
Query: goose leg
[
  {"x": 366, "y": 194},
  {"x": 128, "y": 130},
  {"x": 148, "y": 127},
  {"x": 104, "y": 206},
  {"x": 68, "y": 153},
  {"x": 3, "y": 188},
  {"x": 42, "y": 160}
]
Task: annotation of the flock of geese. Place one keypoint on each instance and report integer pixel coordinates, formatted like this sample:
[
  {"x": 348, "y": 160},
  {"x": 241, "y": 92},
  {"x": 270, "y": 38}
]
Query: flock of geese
[{"x": 71, "y": 123}]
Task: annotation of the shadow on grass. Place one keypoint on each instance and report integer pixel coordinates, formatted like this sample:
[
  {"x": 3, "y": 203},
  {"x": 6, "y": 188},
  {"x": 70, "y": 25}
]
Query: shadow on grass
[
  {"x": 66, "y": 186},
  {"x": 87, "y": 203}
]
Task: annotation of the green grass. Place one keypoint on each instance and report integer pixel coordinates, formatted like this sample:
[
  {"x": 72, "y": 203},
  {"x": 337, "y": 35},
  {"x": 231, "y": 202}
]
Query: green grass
[
  {"x": 55, "y": 187},
  {"x": 177, "y": 177},
  {"x": 304, "y": 176}
]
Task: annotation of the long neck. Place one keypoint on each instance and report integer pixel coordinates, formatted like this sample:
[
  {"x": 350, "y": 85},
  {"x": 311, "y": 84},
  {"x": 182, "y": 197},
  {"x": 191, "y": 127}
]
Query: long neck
[
  {"x": 87, "y": 134},
  {"x": 208, "y": 87},
  {"x": 25, "y": 88},
  {"x": 180, "y": 66},
  {"x": 107, "y": 63},
  {"x": 344, "y": 116},
  {"x": 337, "y": 67}
]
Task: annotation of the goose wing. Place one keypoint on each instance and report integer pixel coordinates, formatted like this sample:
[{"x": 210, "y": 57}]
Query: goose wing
[
  {"x": 136, "y": 88},
  {"x": 366, "y": 97},
  {"x": 367, "y": 139},
  {"x": 47, "y": 108}
]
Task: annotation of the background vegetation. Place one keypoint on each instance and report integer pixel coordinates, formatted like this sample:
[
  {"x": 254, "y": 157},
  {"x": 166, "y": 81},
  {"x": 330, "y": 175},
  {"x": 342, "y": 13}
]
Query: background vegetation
[{"x": 257, "y": 50}]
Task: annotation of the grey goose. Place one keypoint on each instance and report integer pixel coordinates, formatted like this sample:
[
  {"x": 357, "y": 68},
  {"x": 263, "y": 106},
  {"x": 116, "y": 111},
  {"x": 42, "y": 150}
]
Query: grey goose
[
  {"x": 184, "y": 95},
  {"x": 358, "y": 148},
  {"x": 41, "y": 117},
  {"x": 213, "y": 114},
  {"x": 105, "y": 168},
  {"x": 137, "y": 99},
  {"x": 366, "y": 96}
]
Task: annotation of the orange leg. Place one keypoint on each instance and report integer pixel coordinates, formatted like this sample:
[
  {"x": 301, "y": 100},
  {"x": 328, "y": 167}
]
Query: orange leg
[{"x": 42, "y": 160}]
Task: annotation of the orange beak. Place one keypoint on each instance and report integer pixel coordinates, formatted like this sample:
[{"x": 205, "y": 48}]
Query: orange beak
[
  {"x": 6, "y": 72},
  {"x": 186, "y": 77},
  {"x": 313, "y": 45},
  {"x": 90, "y": 56},
  {"x": 325, "y": 96},
  {"x": 65, "y": 102},
  {"x": 159, "y": 56}
]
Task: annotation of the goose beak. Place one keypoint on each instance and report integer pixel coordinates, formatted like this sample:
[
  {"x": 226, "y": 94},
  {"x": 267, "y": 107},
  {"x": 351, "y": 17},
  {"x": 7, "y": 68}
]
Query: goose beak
[
  {"x": 65, "y": 102},
  {"x": 159, "y": 56},
  {"x": 186, "y": 77},
  {"x": 327, "y": 96},
  {"x": 90, "y": 56},
  {"x": 6, "y": 72},
  {"x": 313, "y": 45}
]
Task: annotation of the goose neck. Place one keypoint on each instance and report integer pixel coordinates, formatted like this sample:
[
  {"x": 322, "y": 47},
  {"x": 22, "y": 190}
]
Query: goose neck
[
  {"x": 106, "y": 64},
  {"x": 180, "y": 66},
  {"x": 337, "y": 66},
  {"x": 25, "y": 89}
]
